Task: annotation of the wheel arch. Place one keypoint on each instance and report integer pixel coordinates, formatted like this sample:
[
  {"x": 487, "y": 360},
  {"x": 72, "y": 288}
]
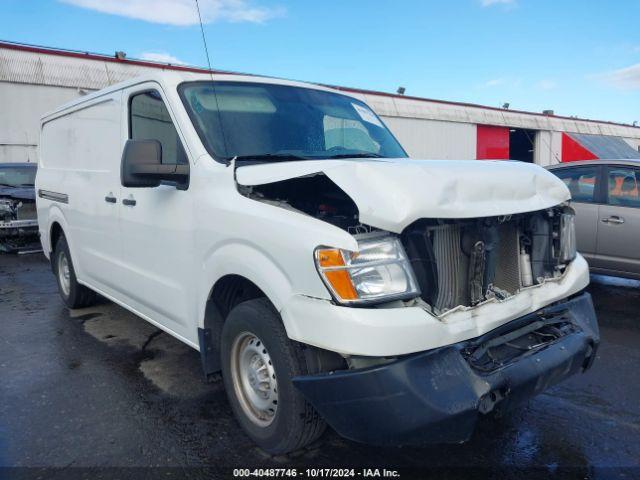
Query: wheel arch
[
  {"x": 55, "y": 232},
  {"x": 228, "y": 263},
  {"x": 58, "y": 226},
  {"x": 237, "y": 272}
]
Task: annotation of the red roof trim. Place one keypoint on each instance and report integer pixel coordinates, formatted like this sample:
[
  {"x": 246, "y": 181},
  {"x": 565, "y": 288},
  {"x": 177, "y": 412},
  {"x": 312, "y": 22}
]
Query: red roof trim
[{"x": 183, "y": 68}]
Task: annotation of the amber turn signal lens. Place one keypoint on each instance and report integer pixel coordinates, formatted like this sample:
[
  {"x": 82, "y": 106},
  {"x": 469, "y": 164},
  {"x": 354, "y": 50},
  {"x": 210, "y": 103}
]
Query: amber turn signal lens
[
  {"x": 330, "y": 257},
  {"x": 331, "y": 263},
  {"x": 342, "y": 284}
]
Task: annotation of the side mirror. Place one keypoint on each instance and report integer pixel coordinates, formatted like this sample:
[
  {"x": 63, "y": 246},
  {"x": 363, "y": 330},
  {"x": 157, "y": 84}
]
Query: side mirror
[{"x": 142, "y": 166}]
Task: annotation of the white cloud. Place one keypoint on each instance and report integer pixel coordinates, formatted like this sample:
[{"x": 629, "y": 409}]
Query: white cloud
[
  {"x": 488, "y": 3},
  {"x": 546, "y": 84},
  {"x": 183, "y": 12},
  {"x": 495, "y": 82},
  {"x": 503, "y": 83},
  {"x": 161, "y": 57},
  {"x": 625, "y": 78}
]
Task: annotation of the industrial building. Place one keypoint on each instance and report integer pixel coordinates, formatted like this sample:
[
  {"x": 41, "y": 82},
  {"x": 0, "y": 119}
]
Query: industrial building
[{"x": 35, "y": 80}]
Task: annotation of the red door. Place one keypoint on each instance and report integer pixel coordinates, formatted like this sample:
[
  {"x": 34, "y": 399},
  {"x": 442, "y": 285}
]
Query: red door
[{"x": 492, "y": 143}]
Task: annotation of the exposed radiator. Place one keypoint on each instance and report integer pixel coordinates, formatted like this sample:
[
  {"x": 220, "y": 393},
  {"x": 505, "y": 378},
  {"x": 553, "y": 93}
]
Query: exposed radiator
[
  {"x": 454, "y": 279},
  {"x": 452, "y": 267},
  {"x": 508, "y": 267}
]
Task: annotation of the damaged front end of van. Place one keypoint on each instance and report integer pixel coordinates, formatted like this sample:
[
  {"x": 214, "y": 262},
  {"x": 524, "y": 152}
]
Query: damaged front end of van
[
  {"x": 463, "y": 297},
  {"x": 18, "y": 221}
]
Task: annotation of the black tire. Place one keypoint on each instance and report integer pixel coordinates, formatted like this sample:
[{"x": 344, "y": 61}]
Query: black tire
[
  {"x": 76, "y": 296},
  {"x": 295, "y": 423}
]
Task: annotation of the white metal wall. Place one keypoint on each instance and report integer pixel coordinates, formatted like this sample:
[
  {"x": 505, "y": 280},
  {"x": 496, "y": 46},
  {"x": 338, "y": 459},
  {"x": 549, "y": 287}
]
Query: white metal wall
[
  {"x": 22, "y": 105},
  {"x": 634, "y": 142},
  {"x": 433, "y": 139},
  {"x": 547, "y": 149}
]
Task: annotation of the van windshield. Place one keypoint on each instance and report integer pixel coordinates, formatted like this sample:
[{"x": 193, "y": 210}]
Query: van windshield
[
  {"x": 265, "y": 122},
  {"x": 17, "y": 176}
]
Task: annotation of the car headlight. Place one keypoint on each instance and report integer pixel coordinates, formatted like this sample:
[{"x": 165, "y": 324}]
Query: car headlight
[
  {"x": 378, "y": 271},
  {"x": 567, "y": 237}
]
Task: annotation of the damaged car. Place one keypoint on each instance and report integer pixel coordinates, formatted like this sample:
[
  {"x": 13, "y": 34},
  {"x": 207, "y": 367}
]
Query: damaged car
[
  {"x": 281, "y": 230},
  {"x": 18, "y": 222}
]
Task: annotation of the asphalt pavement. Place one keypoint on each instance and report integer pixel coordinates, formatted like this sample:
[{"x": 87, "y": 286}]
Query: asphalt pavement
[{"x": 99, "y": 390}]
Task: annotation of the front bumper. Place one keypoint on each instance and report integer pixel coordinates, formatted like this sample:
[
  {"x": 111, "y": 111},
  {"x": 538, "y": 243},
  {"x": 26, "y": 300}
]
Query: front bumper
[
  {"x": 18, "y": 234},
  {"x": 18, "y": 228},
  {"x": 392, "y": 332},
  {"x": 437, "y": 396}
]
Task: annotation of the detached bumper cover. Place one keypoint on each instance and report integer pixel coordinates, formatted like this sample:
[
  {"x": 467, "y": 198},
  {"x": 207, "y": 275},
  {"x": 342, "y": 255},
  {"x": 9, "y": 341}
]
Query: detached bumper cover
[{"x": 437, "y": 396}]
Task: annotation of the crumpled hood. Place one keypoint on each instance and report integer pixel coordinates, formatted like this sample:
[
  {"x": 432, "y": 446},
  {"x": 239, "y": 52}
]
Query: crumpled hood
[
  {"x": 18, "y": 193},
  {"x": 392, "y": 193}
]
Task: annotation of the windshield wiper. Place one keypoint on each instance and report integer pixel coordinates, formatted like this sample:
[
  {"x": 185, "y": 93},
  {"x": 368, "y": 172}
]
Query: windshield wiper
[
  {"x": 288, "y": 157},
  {"x": 357, "y": 155},
  {"x": 271, "y": 157}
]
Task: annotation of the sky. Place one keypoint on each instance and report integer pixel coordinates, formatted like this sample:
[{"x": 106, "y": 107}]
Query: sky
[{"x": 574, "y": 57}]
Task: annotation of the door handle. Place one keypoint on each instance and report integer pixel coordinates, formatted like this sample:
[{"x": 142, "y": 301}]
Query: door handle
[
  {"x": 129, "y": 202},
  {"x": 110, "y": 199},
  {"x": 613, "y": 219}
]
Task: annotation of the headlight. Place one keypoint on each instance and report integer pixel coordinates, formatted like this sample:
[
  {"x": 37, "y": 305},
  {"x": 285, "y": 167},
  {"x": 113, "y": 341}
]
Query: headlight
[
  {"x": 378, "y": 271},
  {"x": 567, "y": 237}
]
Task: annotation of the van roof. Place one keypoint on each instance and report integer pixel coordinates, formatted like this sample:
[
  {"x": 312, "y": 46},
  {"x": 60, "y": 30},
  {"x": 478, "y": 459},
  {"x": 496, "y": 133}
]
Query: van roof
[{"x": 171, "y": 79}]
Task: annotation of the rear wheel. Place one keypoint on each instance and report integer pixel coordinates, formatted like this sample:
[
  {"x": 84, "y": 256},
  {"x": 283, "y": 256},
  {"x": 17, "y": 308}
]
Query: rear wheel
[
  {"x": 258, "y": 363},
  {"x": 73, "y": 294}
]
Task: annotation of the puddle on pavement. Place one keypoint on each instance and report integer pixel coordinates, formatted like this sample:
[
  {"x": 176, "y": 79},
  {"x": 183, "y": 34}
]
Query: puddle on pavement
[
  {"x": 169, "y": 364},
  {"x": 175, "y": 368},
  {"x": 113, "y": 326}
]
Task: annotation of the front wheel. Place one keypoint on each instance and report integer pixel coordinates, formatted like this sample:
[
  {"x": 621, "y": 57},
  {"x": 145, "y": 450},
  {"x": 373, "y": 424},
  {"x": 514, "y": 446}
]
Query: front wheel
[{"x": 258, "y": 363}]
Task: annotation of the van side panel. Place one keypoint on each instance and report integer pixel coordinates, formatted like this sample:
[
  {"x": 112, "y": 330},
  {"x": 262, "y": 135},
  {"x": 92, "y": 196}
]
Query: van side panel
[{"x": 80, "y": 158}]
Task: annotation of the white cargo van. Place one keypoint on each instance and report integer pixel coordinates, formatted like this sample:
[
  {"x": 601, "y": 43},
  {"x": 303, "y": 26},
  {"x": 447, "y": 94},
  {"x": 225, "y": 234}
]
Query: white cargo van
[{"x": 280, "y": 229}]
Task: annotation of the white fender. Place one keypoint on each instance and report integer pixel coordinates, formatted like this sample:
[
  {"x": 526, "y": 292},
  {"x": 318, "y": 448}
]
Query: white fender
[{"x": 248, "y": 261}]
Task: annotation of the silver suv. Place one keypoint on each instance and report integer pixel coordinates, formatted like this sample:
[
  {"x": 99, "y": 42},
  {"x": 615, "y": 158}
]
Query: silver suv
[{"x": 606, "y": 198}]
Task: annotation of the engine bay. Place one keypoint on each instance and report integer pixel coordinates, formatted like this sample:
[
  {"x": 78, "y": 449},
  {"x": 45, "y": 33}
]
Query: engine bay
[{"x": 314, "y": 195}]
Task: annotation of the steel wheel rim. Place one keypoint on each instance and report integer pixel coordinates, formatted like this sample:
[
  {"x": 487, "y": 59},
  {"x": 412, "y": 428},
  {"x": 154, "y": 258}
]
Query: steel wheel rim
[
  {"x": 64, "y": 274},
  {"x": 254, "y": 379}
]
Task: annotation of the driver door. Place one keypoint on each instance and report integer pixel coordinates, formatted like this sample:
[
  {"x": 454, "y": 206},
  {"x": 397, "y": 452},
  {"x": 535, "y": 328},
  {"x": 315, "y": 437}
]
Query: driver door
[{"x": 156, "y": 224}]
